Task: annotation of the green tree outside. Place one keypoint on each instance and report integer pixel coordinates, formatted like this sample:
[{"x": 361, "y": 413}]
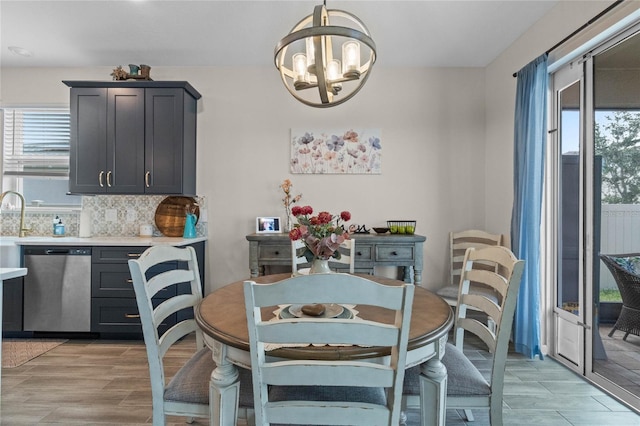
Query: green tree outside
[{"x": 617, "y": 140}]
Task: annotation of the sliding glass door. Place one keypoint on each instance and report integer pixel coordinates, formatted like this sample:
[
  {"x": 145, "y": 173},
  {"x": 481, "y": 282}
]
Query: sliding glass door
[
  {"x": 614, "y": 360},
  {"x": 594, "y": 176}
]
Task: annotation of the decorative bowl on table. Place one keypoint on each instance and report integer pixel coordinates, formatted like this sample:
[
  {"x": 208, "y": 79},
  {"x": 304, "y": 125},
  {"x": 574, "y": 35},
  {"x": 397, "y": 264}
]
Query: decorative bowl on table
[
  {"x": 381, "y": 230},
  {"x": 402, "y": 226}
]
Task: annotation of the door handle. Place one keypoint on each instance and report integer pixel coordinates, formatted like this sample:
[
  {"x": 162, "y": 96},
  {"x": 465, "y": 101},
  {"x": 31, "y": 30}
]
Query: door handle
[
  {"x": 146, "y": 178},
  {"x": 109, "y": 178},
  {"x": 100, "y": 178},
  {"x": 581, "y": 324}
]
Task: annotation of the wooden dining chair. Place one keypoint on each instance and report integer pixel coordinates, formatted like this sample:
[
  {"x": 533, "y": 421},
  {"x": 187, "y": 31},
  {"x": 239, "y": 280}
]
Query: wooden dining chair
[
  {"x": 347, "y": 256},
  {"x": 466, "y": 386},
  {"x": 187, "y": 393},
  {"x": 459, "y": 242},
  {"x": 336, "y": 391}
]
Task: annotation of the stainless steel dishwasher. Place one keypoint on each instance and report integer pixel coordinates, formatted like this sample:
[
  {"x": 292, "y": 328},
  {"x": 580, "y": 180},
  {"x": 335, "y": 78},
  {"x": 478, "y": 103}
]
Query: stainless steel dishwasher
[{"x": 57, "y": 289}]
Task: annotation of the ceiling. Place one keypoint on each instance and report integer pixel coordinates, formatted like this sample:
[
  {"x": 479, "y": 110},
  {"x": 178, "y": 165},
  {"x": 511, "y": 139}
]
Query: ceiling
[{"x": 244, "y": 33}]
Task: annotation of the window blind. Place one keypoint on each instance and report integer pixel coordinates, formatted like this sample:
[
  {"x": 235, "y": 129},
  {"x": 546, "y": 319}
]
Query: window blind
[{"x": 36, "y": 142}]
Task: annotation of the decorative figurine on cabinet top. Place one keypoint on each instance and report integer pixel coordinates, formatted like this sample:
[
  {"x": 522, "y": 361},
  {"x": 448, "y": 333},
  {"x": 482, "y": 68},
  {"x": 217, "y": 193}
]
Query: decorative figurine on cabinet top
[{"x": 141, "y": 72}]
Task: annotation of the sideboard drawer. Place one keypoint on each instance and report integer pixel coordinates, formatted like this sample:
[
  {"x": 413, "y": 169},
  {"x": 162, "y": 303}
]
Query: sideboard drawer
[
  {"x": 274, "y": 252},
  {"x": 363, "y": 252},
  {"x": 394, "y": 253}
]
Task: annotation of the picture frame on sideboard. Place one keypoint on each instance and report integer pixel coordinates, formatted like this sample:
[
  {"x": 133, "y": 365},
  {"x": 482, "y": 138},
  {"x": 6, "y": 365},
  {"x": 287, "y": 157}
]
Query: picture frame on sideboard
[{"x": 267, "y": 224}]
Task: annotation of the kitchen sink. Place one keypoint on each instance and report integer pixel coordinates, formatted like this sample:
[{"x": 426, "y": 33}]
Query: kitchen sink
[{"x": 9, "y": 252}]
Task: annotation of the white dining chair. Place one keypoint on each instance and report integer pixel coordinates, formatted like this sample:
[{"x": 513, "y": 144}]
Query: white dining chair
[
  {"x": 347, "y": 256},
  {"x": 467, "y": 388},
  {"x": 187, "y": 393},
  {"x": 328, "y": 392},
  {"x": 459, "y": 242}
]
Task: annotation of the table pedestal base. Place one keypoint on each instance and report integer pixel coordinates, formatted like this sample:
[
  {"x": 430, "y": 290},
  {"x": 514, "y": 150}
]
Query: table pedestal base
[{"x": 224, "y": 390}]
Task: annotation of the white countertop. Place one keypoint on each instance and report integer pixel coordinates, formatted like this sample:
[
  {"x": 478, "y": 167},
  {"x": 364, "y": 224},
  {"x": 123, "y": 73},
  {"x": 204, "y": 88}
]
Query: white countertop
[
  {"x": 105, "y": 241},
  {"x": 8, "y": 273}
]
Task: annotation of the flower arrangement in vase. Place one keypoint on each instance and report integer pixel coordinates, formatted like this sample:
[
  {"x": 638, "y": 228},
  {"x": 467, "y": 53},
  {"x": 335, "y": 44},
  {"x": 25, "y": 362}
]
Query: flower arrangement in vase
[
  {"x": 288, "y": 201},
  {"x": 321, "y": 234}
]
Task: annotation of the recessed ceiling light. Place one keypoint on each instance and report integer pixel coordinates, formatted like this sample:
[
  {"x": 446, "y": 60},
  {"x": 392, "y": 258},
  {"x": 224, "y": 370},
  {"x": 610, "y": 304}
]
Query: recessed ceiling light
[{"x": 20, "y": 51}]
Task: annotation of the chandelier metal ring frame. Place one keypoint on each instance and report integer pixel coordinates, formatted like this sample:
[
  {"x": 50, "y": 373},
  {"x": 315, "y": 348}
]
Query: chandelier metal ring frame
[{"x": 321, "y": 34}]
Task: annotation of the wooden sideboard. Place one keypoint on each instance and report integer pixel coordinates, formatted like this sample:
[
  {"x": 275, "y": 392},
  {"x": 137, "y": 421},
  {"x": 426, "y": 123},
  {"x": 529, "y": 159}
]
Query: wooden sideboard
[{"x": 371, "y": 250}]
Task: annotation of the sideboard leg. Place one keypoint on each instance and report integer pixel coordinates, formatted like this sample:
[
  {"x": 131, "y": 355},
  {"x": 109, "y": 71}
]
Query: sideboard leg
[
  {"x": 417, "y": 276},
  {"x": 407, "y": 274}
]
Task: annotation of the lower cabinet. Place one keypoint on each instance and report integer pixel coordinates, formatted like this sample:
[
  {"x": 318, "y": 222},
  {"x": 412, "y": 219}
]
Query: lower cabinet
[
  {"x": 12, "y": 305},
  {"x": 114, "y": 311}
]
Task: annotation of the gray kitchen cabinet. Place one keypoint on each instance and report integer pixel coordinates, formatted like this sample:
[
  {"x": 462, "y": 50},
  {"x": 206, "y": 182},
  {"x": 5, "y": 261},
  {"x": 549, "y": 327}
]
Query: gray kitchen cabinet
[
  {"x": 12, "y": 305},
  {"x": 133, "y": 137},
  {"x": 114, "y": 311}
]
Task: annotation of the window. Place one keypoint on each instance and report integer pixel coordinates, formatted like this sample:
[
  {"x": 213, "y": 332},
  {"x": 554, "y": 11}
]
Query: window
[{"x": 36, "y": 155}]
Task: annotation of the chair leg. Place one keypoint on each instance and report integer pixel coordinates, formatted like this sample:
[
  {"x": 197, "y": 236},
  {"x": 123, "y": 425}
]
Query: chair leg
[
  {"x": 468, "y": 415},
  {"x": 612, "y": 331},
  {"x": 491, "y": 324},
  {"x": 625, "y": 336},
  {"x": 403, "y": 418}
]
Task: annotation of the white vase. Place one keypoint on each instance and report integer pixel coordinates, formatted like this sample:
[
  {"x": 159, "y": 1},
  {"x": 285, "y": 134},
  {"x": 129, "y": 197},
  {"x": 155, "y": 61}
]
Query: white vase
[{"x": 320, "y": 266}]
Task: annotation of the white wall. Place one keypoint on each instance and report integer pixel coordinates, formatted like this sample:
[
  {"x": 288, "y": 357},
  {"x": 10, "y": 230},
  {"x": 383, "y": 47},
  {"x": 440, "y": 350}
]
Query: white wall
[{"x": 433, "y": 167}]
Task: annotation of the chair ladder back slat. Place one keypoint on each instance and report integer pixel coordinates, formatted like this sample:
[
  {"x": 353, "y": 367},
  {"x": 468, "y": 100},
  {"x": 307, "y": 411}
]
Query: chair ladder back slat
[
  {"x": 168, "y": 278},
  {"x": 478, "y": 329},
  {"x": 327, "y": 330},
  {"x": 316, "y": 288},
  {"x": 324, "y": 373}
]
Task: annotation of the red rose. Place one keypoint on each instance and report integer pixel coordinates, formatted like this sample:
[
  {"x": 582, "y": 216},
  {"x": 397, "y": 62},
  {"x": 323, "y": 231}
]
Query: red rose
[
  {"x": 296, "y": 211},
  {"x": 325, "y": 217},
  {"x": 295, "y": 234},
  {"x": 315, "y": 220},
  {"x": 345, "y": 215},
  {"x": 306, "y": 210}
]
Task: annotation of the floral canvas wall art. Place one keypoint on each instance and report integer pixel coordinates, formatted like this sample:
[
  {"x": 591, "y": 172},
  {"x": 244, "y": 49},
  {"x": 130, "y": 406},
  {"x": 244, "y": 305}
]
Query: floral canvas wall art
[{"x": 349, "y": 151}]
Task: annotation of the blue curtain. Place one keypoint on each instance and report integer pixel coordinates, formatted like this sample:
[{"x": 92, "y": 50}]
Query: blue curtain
[{"x": 530, "y": 136}]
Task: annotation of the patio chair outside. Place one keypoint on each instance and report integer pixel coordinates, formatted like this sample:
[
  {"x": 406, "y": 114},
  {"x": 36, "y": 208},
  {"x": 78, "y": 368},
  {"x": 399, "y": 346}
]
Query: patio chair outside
[{"x": 625, "y": 269}]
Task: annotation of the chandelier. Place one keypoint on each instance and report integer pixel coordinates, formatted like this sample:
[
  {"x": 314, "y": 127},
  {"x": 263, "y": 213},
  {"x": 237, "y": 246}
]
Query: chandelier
[{"x": 312, "y": 71}]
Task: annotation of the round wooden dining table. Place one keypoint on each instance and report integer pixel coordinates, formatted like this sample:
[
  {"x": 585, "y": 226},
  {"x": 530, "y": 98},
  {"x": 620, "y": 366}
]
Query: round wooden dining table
[{"x": 221, "y": 316}]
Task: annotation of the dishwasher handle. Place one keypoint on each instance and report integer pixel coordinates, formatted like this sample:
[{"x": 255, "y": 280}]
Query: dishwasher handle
[{"x": 57, "y": 251}]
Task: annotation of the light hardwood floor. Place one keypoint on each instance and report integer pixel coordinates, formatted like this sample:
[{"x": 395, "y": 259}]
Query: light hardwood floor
[{"x": 97, "y": 382}]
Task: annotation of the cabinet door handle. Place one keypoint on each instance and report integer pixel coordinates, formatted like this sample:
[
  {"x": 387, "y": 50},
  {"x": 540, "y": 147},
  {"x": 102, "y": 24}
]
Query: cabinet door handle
[
  {"x": 100, "y": 178},
  {"x": 358, "y": 253},
  {"x": 109, "y": 178},
  {"x": 394, "y": 253},
  {"x": 129, "y": 281},
  {"x": 277, "y": 253},
  {"x": 132, "y": 315},
  {"x": 134, "y": 254},
  {"x": 146, "y": 178}
]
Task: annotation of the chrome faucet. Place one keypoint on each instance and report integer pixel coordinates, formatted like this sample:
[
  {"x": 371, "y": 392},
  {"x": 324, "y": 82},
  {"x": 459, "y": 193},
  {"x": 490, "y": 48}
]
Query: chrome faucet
[{"x": 23, "y": 231}]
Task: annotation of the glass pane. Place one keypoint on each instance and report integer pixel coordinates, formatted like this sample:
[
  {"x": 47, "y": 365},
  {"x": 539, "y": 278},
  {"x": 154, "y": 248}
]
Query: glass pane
[
  {"x": 569, "y": 245},
  {"x": 616, "y": 209}
]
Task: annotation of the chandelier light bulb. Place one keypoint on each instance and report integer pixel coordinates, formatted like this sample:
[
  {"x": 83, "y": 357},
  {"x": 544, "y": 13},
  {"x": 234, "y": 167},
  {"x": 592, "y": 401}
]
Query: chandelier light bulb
[
  {"x": 351, "y": 58},
  {"x": 299, "y": 67},
  {"x": 311, "y": 55}
]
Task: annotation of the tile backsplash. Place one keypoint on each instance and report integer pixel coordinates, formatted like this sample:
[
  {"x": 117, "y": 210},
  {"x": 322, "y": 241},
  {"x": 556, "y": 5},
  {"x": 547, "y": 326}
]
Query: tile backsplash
[{"x": 110, "y": 216}]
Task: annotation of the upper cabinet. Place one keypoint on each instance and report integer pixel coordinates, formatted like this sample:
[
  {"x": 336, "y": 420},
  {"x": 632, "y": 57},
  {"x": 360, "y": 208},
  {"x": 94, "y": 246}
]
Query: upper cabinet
[{"x": 133, "y": 137}]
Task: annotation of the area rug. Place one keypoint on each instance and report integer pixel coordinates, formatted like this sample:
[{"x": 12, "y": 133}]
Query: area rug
[{"x": 16, "y": 352}]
